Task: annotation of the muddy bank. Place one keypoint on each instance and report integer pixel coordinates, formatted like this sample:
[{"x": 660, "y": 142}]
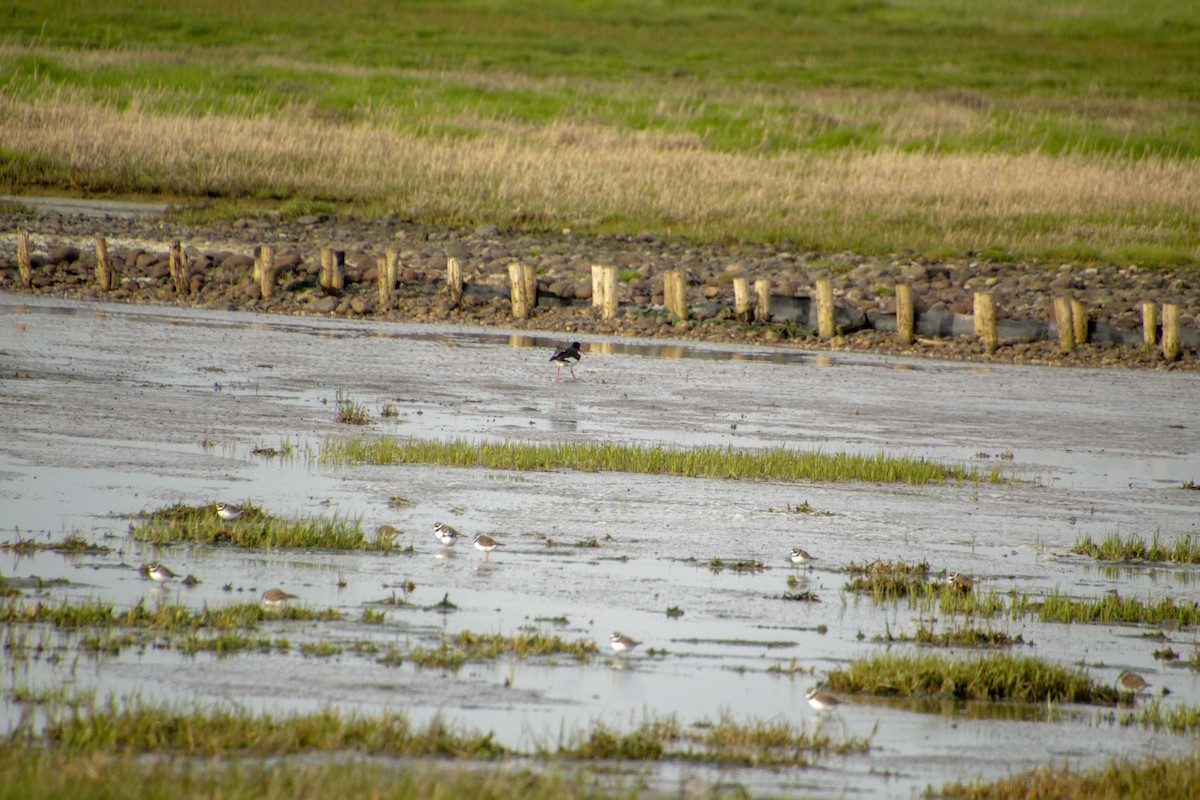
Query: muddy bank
[{"x": 220, "y": 258}]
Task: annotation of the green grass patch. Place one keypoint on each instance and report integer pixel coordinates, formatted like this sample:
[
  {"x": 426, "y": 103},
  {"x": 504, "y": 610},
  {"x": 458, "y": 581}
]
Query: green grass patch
[
  {"x": 780, "y": 463},
  {"x": 184, "y": 523},
  {"x": 994, "y": 676},
  {"x": 888, "y": 580},
  {"x": 1115, "y": 547},
  {"x": 723, "y": 741},
  {"x": 35, "y": 772},
  {"x": 1112, "y": 609},
  {"x": 470, "y": 646},
  {"x": 72, "y": 543},
  {"x": 165, "y": 617},
  {"x": 1162, "y": 779},
  {"x": 963, "y": 635}
]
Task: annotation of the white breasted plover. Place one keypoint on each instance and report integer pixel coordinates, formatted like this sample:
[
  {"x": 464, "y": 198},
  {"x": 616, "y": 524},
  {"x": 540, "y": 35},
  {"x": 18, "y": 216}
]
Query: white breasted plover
[
  {"x": 622, "y": 643},
  {"x": 445, "y": 534},
  {"x": 964, "y": 583},
  {"x": 1131, "y": 681},
  {"x": 821, "y": 701},
  {"x": 274, "y": 598},
  {"x": 229, "y": 512},
  {"x": 568, "y": 357},
  {"x": 487, "y": 544},
  {"x": 159, "y": 573},
  {"x": 799, "y": 556}
]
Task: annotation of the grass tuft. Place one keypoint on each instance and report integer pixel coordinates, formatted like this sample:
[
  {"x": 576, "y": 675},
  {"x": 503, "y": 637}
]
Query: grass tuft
[
  {"x": 1114, "y": 547},
  {"x": 780, "y": 463},
  {"x": 184, "y": 523}
]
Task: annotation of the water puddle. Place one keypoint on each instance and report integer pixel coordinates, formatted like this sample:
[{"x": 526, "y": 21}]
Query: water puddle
[{"x": 111, "y": 410}]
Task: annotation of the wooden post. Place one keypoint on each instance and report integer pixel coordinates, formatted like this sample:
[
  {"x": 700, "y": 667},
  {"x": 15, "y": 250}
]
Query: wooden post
[
  {"x": 762, "y": 308},
  {"x": 904, "y": 313},
  {"x": 264, "y": 265},
  {"x": 454, "y": 280},
  {"x": 337, "y": 278},
  {"x": 674, "y": 296},
  {"x": 1064, "y": 324},
  {"x": 1171, "y": 349},
  {"x": 1149, "y": 325},
  {"x": 385, "y": 273},
  {"x": 825, "y": 328},
  {"x": 516, "y": 291},
  {"x": 106, "y": 274},
  {"x": 24, "y": 263},
  {"x": 1079, "y": 321},
  {"x": 324, "y": 278},
  {"x": 597, "y": 286},
  {"x": 985, "y": 321},
  {"x": 530, "y": 285},
  {"x": 741, "y": 297},
  {"x": 179, "y": 269},
  {"x": 608, "y": 284}
]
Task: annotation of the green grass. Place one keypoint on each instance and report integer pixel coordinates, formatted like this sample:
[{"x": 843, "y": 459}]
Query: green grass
[
  {"x": 184, "y": 523},
  {"x": 962, "y": 635},
  {"x": 781, "y": 463},
  {"x": 994, "y": 676},
  {"x": 880, "y": 120},
  {"x": 1114, "y": 609},
  {"x": 1115, "y": 547},
  {"x": 69, "y": 614},
  {"x": 72, "y": 543},
  {"x": 888, "y": 580},
  {"x": 1162, "y": 779},
  {"x": 470, "y": 646},
  {"x": 34, "y": 772}
]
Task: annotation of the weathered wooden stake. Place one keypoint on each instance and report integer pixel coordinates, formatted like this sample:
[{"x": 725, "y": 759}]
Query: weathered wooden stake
[
  {"x": 608, "y": 290},
  {"x": 1079, "y": 321},
  {"x": 516, "y": 291},
  {"x": 454, "y": 281},
  {"x": 337, "y": 278},
  {"x": 597, "y": 286},
  {"x": 1150, "y": 325},
  {"x": 531, "y": 285},
  {"x": 825, "y": 329},
  {"x": 106, "y": 273},
  {"x": 324, "y": 278},
  {"x": 762, "y": 308},
  {"x": 674, "y": 296},
  {"x": 264, "y": 265},
  {"x": 1171, "y": 349},
  {"x": 385, "y": 272},
  {"x": 741, "y": 297},
  {"x": 177, "y": 264},
  {"x": 1064, "y": 324},
  {"x": 24, "y": 264},
  {"x": 985, "y": 321},
  {"x": 904, "y": 313}
]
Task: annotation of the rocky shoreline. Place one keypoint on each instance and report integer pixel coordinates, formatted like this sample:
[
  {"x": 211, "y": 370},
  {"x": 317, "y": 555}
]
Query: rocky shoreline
[{"x": 220, "y": 258}]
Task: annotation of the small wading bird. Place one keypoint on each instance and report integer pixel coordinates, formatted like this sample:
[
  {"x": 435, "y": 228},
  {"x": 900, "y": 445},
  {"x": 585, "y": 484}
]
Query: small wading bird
[
  {"x": 821, "y": 701},
  {"x": 568, "y": 357},
  {"x": 1131, "y": 681},
  {"x": 799, "y": 556},
  {"x": 622, "y": 643},
  {"x": 229, "y": 512},
  {"x": 487, "y": 544},
  {"x": 159, "y": 573},
  {"x": 963, "y": 583},
  {"x": 274, "y": 598},
  {"x": 445, "y": 534}
]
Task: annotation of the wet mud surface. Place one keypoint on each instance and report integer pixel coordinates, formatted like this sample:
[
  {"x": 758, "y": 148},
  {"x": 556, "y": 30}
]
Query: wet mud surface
[{"x": 109, "y": 410}]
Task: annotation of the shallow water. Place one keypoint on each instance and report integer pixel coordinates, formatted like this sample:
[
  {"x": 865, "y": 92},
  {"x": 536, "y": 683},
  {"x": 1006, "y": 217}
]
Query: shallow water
[{"x": 109, "y": 410}]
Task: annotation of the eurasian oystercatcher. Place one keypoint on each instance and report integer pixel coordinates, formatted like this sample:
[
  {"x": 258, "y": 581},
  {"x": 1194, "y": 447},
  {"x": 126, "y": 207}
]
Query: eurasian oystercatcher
[{"x": 569, "y": 357}]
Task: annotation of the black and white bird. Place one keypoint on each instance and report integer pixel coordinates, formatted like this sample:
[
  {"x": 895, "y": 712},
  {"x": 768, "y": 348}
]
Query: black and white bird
[
  {"x": 568, "y": 357},
  {"x": 159, "y": 573},
  {"x": 800, "y": 557},
  {"x": 445, "y": 534},
  {"x": 821, "y": 701},
  {"x": 622, "y": 643},
  {"x": 228, "y": 512}
]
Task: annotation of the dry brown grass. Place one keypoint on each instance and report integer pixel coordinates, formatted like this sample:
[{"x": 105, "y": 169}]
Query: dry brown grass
[{"x": 576, "y": 175}]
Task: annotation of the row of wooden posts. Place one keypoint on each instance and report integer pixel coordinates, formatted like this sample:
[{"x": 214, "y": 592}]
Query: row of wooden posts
[{"x": 1071, "y": 318}]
